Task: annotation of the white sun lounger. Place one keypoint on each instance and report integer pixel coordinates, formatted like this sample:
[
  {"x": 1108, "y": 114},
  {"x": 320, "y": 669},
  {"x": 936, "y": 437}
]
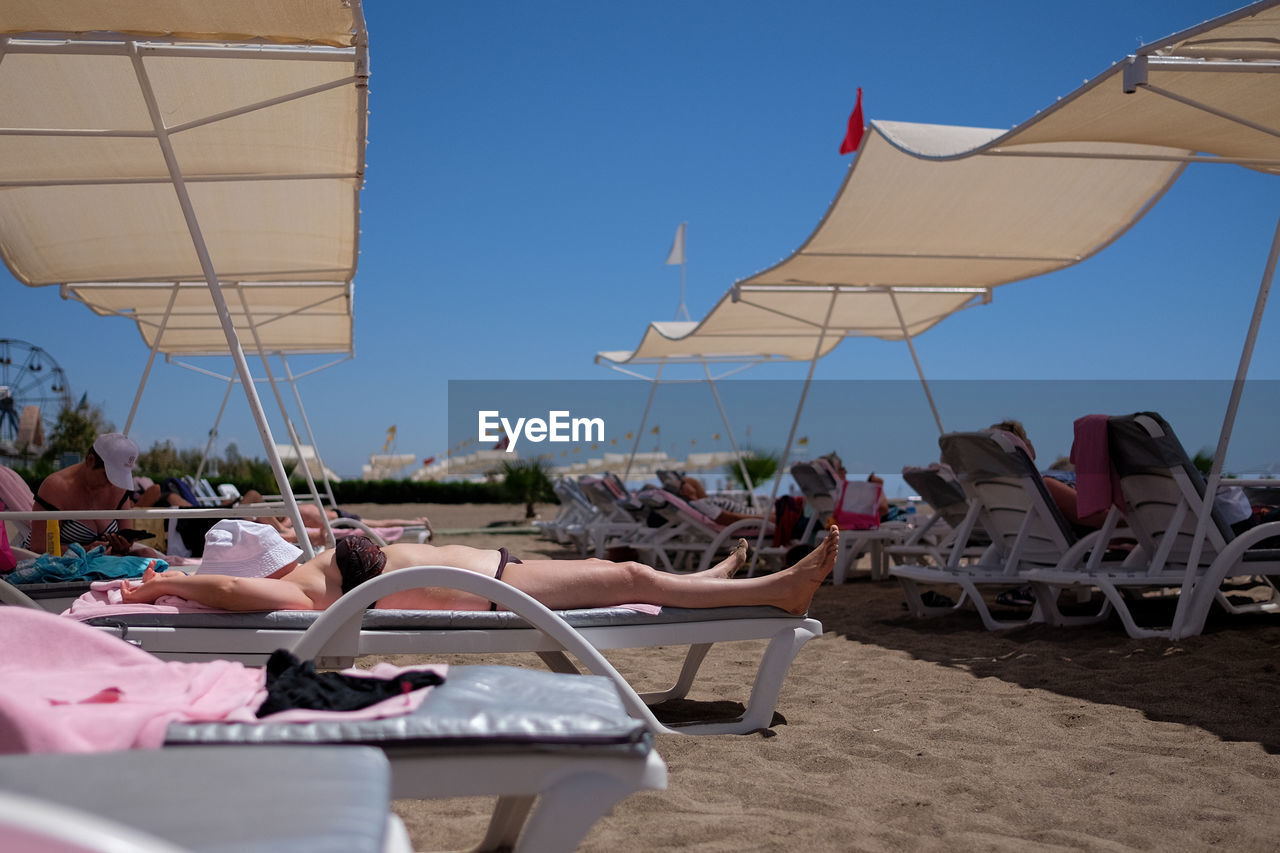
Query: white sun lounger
[
  {"x": 1027, "y": 531},
  {"x": 224, "y": 799},
  {"x": 558, "y": 751},
  {"x": 1164, "y": 494},
  {"x": 349, "y": 629}
]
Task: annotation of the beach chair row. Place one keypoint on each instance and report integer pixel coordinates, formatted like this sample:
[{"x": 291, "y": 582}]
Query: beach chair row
[{"x": 1162, "y": 535}]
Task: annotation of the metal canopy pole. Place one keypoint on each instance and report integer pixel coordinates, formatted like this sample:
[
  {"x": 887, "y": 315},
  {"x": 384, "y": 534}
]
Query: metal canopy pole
[
  {"x": 288, "y": 423},
  {"x": 746, "y": 477},
  {"x": 215, "y": 293},
  {"x": 151, "y": 359},
  {"x": 213, "y": 432},
  {"x": 643, "y": 418},
  {"x": 1224, "y": 438},
  {"x": 306, "y": 424},
  {"x": 795, "y": 423},
  {"x": 919, "y": 371}
]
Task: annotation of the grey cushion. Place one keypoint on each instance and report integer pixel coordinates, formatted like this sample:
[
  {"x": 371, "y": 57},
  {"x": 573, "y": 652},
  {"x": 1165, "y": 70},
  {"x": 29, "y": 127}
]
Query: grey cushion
[
  {"x": 478, "y": 707},
  {"x": 400, "y": 620},
  {"x": 261, "y": 800}
]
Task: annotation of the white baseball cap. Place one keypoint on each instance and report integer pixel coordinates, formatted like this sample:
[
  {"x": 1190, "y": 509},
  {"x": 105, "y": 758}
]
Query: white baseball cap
[
  {"x": 119, "y": 456},
  {"x": 245, "y": 549}
]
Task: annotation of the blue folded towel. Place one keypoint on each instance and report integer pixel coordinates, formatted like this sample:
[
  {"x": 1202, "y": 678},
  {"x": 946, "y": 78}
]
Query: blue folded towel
[{"x": 78, "y": 565}]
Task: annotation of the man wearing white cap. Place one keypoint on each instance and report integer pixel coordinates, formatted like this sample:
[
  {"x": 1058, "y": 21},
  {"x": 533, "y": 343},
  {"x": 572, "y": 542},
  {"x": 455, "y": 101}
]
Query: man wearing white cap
[
  {"x": 104, "y": 480},
  {"x": 248, "y": 566}
]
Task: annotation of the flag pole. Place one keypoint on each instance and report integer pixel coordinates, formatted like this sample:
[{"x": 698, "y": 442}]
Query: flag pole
[{"x": 677, "y": 256}]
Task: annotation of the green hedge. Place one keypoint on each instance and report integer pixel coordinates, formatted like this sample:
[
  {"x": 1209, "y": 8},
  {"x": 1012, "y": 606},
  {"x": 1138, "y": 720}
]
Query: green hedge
[{"x": 372, "y": 491}]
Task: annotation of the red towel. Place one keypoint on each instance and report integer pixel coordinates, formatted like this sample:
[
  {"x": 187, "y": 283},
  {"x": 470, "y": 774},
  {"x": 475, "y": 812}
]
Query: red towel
[{"x": 1097, "y": 484}]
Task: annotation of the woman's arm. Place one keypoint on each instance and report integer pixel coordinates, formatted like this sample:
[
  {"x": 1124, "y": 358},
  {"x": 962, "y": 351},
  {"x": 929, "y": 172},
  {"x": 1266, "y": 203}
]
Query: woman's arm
[{"x": 221, "y": 591}]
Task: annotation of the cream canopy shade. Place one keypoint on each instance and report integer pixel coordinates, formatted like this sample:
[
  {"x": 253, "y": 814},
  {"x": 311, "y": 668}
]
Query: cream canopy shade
[
  {"x": 926, "y": 211},
  {"x": 296, "y": 318},
  {"x": 269, "y": 141},
  {"x": 193, "y": 165}
]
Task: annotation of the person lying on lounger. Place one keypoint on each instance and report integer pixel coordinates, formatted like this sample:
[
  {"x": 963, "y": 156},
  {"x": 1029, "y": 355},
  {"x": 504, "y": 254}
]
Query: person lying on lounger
[
  {"x": 313, "y": 517},
  {"x": 720, "y": 509},
  {"x": 248, "y": 566}
]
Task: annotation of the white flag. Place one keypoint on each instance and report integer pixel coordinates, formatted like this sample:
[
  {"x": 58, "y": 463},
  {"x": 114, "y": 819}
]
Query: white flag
[{"x": 677, "y": 246}]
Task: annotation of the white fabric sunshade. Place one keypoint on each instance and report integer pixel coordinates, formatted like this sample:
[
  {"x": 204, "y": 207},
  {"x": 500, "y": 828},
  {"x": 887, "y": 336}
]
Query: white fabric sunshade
[
  {"x": 263, "y": 104},
  {"x": 290, "y": 318},
  {"x": 928, "y": 211}
]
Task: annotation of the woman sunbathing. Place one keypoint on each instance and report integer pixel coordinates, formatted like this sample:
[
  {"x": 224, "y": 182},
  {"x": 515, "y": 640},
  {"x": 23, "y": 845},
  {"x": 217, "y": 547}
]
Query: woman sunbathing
[{"x": 247, "y": 566}]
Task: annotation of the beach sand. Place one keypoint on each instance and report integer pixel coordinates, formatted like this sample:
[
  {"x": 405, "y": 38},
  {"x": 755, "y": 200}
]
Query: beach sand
[{"x": 900, "y": 734}]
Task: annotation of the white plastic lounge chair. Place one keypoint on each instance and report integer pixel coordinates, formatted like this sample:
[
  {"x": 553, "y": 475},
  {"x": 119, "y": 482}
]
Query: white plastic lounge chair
[
  {"x": 201, "y": 801},
  {"x": 1164, "y": 495},
  {"x": 1027, "y": 531},
  {"x": 349, "y": 629},
  {"x": 558, "y": 751},
  {"x": 822, "y": 488},
  {"x": 690, "y": 541},
  {"x": 576, "y": 511},
  {"x": 613, "y": 521},
  {"x": 931, "y": 541}
]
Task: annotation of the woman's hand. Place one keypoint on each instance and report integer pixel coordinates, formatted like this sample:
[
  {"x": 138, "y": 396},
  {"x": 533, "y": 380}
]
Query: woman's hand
[
  {"x": 117, "y": 545},
  {"x": 145, "y": 592}
]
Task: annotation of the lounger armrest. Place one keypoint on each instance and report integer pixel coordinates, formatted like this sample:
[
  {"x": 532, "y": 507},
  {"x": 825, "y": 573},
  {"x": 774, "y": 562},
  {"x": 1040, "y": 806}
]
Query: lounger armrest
[
  {"x": 58, "y": 827},
  {"x": 342, "y": 622},
  {"x": 10, "y": 594},
  {"x": 362, "y": 527}
]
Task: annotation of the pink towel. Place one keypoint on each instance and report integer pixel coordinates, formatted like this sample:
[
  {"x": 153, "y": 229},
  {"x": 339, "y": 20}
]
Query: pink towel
[
  {"x": 72, "y": 688},
  {"x": 103, "y": 599},
  {"x": 1097, "y": 484}
]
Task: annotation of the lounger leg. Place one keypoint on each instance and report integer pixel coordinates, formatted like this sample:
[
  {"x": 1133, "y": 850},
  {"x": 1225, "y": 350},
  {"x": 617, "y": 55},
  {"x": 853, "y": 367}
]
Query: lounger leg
[
  {"x": 509, "y": 817},
  {"x": 566, "y": 811},
  {"x": 688, "y": 672},
  {"x": 774, "y": 664},
  {"x": 558, "y": 662},
  {"x": 915, "y": 601},
  {"x": 1122, "y": 610}
]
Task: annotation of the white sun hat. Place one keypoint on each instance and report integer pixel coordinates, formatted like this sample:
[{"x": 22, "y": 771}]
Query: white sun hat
[
  {"x": 119, "y": 457},
  {"x": 245, "y": 549}
]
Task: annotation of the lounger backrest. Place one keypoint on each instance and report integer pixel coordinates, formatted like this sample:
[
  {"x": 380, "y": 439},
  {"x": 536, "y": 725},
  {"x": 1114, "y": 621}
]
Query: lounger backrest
[
  {"x": 818, "y": 486},
  {"x": 16, "y": 495},
  {"x": 944, "y": 496},
  {"x": 998, "y": 474},
  {"x": 675, "y": 509},
  {"x": 670, "y": 480},
  {"x": 603, "y": 498},
  {"x": 1162, "y": 488}
]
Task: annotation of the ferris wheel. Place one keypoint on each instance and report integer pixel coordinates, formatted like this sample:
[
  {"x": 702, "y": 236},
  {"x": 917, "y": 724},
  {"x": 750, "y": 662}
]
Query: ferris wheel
[{"x": 29, "y": 376}]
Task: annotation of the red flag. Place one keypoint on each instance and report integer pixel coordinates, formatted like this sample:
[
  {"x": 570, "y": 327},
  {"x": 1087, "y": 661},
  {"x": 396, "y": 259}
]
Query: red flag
[{"x": 853, "y": 136}]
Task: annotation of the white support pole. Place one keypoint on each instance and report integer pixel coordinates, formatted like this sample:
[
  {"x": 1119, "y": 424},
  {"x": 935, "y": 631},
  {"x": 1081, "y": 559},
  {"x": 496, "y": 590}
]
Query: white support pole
[
  {"x": 306, "y": 424},
  {"x": 151, "y": 359},
  {"x": 643, "y": 419},
  {"x": 684, "y": 308},
  {"x": 215, "y": 293},
  {"x": 288, "y": 423},
  {"x": 919, "y": 371},
  {"x": 746, "y": 477},
  {"x": 791, "y": 436},
  {"x": 1228, "y": 423},
  {"x": 213, "y": 432}
]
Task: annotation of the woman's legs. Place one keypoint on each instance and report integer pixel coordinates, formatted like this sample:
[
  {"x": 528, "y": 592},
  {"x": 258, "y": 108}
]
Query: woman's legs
[{"x": 564, "y": 584}]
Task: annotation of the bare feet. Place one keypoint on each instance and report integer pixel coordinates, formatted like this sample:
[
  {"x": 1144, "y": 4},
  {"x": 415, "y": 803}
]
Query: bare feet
[
  {"x": 731, "y": 565},
  {"x": 808, "y": 574}
]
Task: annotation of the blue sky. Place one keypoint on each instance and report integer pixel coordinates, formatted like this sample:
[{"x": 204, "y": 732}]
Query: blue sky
[{"x": 528, "y": 164}]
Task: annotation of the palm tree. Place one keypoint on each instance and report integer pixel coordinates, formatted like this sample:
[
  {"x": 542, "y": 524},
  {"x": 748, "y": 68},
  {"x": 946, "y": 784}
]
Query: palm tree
[
  {"x": 760, "y": 467},
  {"x": 527, "y": 481}
]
